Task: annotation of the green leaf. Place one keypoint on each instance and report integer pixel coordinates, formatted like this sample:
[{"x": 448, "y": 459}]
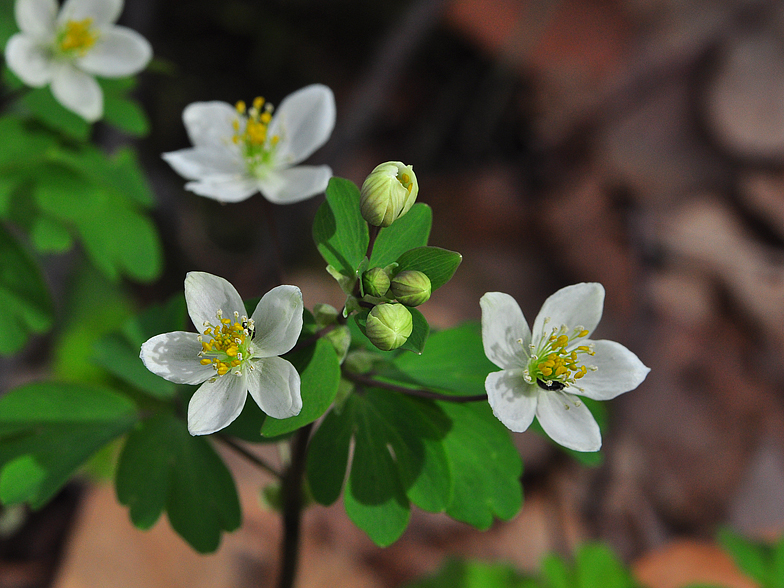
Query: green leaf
[
  {"x": 777, "y": 566},
  {"x": 557, "y": 573},
  {"x": 437, "y": 264},
  {"x": 753, "y": 558},
  {"x": 117, "y": 237},
  {"x": 50, "y": 236},
  {"x": 320, "y": 372},
  {"x": 419, "y": 333},
  {"x": 597, "y": 565},
  {"x": 340, "y": 232},
  {"x": 125, "y": 114},
  {"x": 163, "y": 466},
  {"x": 485, "y": 465},
  {"x": 374, "y": 499},
  {"x": 23, "y": 147},
  {"x": 24, "y": 297},
  {"x": 328, "y": 455},
  {"x": 474, "y": 574},
  {"x": 120, "y": 357},
  {"x": 414, "y": 429},
  {"x": 408, "y": 232},
  {"x": 454, "y": 361},
  {"x": 48, "y": 430},
  {"x": 51, "y": 113}
]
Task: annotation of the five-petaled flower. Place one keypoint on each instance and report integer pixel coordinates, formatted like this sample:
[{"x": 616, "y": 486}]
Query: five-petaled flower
[
  {"x": 233, "y": 355},
  {"x": 68, "y": 48},
  {"x": 544, "y": 371},
  {"x": 238, "y": 151}
]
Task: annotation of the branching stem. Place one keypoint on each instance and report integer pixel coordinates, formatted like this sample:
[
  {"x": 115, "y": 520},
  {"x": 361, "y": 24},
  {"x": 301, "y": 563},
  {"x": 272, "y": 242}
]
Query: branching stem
[
  {"x": 418, "y": 392},
  {"x": 252, "y": 457}
]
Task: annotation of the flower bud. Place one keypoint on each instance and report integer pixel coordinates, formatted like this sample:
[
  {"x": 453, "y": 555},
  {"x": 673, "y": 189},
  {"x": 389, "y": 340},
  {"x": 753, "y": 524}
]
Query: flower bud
[
  {"x": 375, "y": 282},
  {"x": 388, "y": 326},
  {"x": 411, "y": 287},
  {"x": 388, "y": 193}
]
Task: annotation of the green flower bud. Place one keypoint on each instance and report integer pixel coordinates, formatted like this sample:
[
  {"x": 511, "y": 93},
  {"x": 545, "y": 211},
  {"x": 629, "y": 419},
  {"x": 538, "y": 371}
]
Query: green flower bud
[
  {"x": 375, "y": 282},
  {"x": 388, "y": 326},
  {"x": 411, "y": 287},
  {"x": 388, "y": 193}
]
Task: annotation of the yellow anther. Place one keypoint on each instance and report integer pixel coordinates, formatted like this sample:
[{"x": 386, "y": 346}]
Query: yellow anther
[
  {"x": 560, "y": 370},
  {"x": 266, "y": 117},
  {"x": 226, "y": 321},
  {"x": 275, "y": 139},
  {"x": 205, "y": 361},
  {"x": 546, "y": 371},
  {"x": 258, "y": 101},
  {"x": 405, "y": 179},
  {"x": 583, "y": 333},
  {"x": 562, "y": 341},
  {"x": 206, "y": 346},
  {"x": 78, "y": 36},
  {"x": 223, "y": 369},
  {"x": 232, "y": 351},
  {"x": 584, "y": 348}
]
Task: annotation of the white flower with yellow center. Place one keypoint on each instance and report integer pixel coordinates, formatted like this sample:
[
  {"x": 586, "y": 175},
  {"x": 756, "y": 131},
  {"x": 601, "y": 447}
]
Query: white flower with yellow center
[
  {"x": 232, "y": 355},
  {"x": 238, "y": 151},
  {"x": 544, "y": 371},
  {"x": 67, "y": 48}
]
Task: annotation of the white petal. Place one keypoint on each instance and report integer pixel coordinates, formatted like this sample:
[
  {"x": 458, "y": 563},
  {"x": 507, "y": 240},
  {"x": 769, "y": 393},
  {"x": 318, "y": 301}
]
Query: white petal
[
  {"x": 205, "y": 294},
  {"x": 619, "y": 371},
  {"x": 275, "y": 386},
  {"x": 216, "y": 404},
  {"x": 78, "y": 92},
  {"x": 580, "y": 304},
  {"x": 223, "y": 188},
  {"x": 512, "y": 399},
  {"x": 303, "y": 121},
  {"x": 287, "y": 186},
  {"x": 29, "y": 60},
  {"x": 568, "y": 422},
  {"x": 175, "y": 357},
  {"x": 278, "y": 320},
  {"x": 503, "y": 327},
  {"x": 36, "y": 17},
  {"x": 196, "y": 163},
  {"x": 101, "y": 11},
  {"x": 119, "y": 52},
  {"x": 209, "y": 124}
]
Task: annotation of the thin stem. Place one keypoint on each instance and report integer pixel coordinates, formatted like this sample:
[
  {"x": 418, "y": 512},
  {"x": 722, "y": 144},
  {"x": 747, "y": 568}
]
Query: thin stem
[
  {"x": 418, "y": 392},
  {"x": 255, "y": 459},
  {"x": 292, "y": 483},
  {"x": 374, "y": 231}
]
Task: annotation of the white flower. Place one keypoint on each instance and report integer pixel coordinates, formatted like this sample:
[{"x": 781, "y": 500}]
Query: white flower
[
  {"x": 238, "y": 151},
  {"x": 544, "y": 371},
  {"x": 68, "y": 48},
  {"x": 234, "y": 356}
]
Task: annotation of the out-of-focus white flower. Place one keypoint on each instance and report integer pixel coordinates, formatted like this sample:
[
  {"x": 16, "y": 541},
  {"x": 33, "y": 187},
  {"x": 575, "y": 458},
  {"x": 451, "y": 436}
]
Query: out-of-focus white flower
[
  {"x": 233, "y": 355},
  {"x": 543, "y": 370},
  {"x": 67, "y": 48},
  {"x": 238, "y": 151}
]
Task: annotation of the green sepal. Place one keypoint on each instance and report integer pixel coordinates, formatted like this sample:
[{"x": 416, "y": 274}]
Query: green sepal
[{"x": 163, "y": 467}]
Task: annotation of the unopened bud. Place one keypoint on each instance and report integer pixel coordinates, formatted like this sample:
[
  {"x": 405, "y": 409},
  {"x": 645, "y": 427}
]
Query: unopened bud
[
  {"x": 375, "y": 282},
  {"x": 411, "y": 287},
  {"x": 388, "y": 326},
  {"x": 388, "y": 193}
]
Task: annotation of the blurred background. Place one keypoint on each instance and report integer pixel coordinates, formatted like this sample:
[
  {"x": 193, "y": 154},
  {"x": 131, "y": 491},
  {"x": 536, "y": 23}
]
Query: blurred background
[{"x": 638, "y": 143}]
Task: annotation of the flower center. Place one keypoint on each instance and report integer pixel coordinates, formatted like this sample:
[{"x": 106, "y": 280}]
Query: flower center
[
  {"x": 555, "y": 361},
  {"x": 77, "y": 36},
  {"x": 228, "y": 346},
  {"x": 405, "y": 180},
  {"x": 250, "y": 133}
]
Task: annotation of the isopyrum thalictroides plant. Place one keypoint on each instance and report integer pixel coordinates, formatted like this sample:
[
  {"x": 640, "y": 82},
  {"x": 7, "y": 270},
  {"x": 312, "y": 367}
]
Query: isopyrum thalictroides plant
[{"x": 375, "y": 407}]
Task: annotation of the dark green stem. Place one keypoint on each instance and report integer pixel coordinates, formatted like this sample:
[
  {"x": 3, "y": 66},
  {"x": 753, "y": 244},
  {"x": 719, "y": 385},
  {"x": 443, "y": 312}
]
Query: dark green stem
[
  {"x": 292, "y": 483},
  {"x": 364, "y": 380}
]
